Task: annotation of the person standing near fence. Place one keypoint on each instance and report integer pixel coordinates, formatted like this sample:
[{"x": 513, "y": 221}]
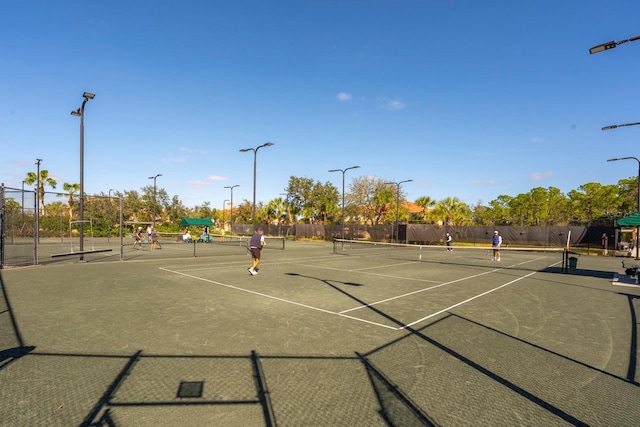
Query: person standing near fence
[
  {"x": 496, "y": 242},
  {"x": 255, "y": 246}
]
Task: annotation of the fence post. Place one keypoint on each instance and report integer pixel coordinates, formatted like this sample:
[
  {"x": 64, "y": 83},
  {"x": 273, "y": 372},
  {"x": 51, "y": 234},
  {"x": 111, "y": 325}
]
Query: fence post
[
  {"x": 1, "y": 226},
  {"x": 36, "y": 227},
  {"x": 121, "y": 231}
]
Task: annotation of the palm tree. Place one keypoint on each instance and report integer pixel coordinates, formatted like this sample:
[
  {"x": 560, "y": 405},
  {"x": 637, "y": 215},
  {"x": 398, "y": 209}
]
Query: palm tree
[
  {"x": 71, "y": 189},
  {"x": 452, "y": 211},
  {"x": 425, "y": 202},
  {"x": 41, "y": 181},
  {"x": 278, "y": 208}
]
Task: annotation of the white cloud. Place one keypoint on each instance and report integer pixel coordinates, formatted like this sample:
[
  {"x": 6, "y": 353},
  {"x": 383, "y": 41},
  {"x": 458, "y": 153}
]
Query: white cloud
[
  {"x": 537, "y": 140},
  {"x": 537, "y": 176},
  {"x": 396, "y": 105},
  {"x": 192, "y": 150},
  {"x": 196, "y": 183},
  {"x": 343, "y": 96},
  {"x": 177, "y": 160},
  {"x": 216, "y": 178},
  {"x": 391, "y": 104}
]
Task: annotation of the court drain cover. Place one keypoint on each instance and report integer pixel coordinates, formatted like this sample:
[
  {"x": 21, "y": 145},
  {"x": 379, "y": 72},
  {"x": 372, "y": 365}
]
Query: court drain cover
[{"x": 190, "y": 389}]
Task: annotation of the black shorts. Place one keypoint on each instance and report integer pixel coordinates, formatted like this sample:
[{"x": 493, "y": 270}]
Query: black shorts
[{"x": 255, "y": 253}]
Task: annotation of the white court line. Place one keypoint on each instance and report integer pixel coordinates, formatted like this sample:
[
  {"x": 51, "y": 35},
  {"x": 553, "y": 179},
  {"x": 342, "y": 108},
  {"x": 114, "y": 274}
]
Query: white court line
[
  {"x": 359, "y": 270},
  {"x": 276, "y": 298},
  {"x": 234, "y": 264},
  {"x": 386, "y": 265},
  {"x": 472, "y": 298},
  {"x": 342, "y": 313},
  {"x": 437, "y": 286},
  {"x": 408, "y": 325},
  {"x": 420, "y": 290}
]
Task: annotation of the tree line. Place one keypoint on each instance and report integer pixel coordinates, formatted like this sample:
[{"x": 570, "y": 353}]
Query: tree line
[{"x": 368, "y": 200}]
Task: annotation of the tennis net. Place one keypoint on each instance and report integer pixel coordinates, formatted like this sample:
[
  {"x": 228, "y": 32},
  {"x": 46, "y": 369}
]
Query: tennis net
[
  {"x": 270, "y": 242},
  {"x": 465, "y": 255}
]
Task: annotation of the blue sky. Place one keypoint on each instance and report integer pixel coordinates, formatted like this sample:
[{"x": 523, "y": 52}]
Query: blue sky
[{"x": 468, "y": 99}]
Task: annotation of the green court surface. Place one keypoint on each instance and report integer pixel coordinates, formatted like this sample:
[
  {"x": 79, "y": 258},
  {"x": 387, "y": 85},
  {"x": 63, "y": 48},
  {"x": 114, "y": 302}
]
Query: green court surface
[{"x": 166, "y": 338}]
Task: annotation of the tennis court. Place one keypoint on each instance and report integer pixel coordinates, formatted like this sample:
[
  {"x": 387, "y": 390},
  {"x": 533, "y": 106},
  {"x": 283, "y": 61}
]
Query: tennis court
[{"x": 325, "y": 334}]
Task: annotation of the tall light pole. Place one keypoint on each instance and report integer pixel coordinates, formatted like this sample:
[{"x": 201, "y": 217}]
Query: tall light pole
[
  {"x": 397, "y": 184},
  {"x": 155, "y": 203},
  {"x": 343, "y": 172},
  {"x": 255, "y": 155},
  {"x": 224, "y": 206},
  {"x": 37, "y": 212},
  {"x": 610, "y": 45},
  {"x": 38, "y": 161},
  {"x": 231, "y": 187},
  {"x": 637, "y": 229},
  {"x": 109, "y": 221},
  {"x": 23, "y": 200},
  {"x": 80, "y": 113}
]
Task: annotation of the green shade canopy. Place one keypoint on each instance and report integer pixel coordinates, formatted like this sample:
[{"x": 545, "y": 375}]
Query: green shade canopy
[
  {"x": 187, "y": 222},
  {"x": 632, "y": 220}
]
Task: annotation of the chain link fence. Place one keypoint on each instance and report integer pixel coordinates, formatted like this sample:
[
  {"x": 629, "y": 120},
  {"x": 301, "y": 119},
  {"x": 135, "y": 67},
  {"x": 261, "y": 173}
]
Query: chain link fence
[
  {"x": 28, "y": 224},
  {"x": 18, "y": 227}
]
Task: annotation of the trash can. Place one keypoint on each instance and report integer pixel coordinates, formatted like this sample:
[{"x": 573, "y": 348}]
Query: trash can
[{"x": 573, "y": 263}]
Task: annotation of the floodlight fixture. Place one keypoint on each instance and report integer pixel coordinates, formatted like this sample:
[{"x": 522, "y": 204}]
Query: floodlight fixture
[
  {"x": 619, "y": 126},
  {"x": 610, "y": 45},
  {"x": 602, "y": 47}
]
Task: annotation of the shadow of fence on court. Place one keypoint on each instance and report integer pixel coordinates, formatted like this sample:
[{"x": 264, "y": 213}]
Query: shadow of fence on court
[
  {"x": 368, "y": 388},
  {"x": 267, "y": 390},
  {"x": 11, "y": 345},
  {"x": 234, "y": 387},
  {"x": 196, "y": 389}
]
